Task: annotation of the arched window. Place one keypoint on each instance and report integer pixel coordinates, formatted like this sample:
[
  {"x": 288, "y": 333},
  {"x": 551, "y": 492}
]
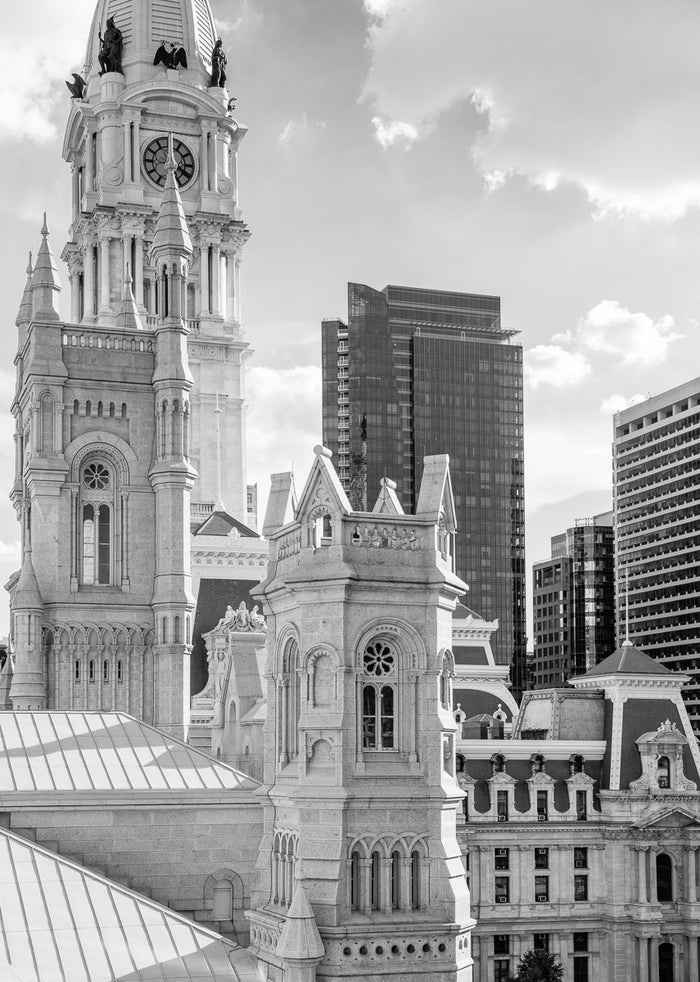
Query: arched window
[
  {"x": 576, "y": 764},
  {"x": 445, "y": 687},
  {"x": 666, "y": 962},
  {"x": 96, "y": 529},
  {"x": 664, "y": 878},
  {"x": 355, "y": 880},
  {"x": 498, "y": 764},
  {"x": 663, "y": 772},
  {"x": 395, "y": 879},
  {"x": 91, "y": 671},
  {"x": 105, "y": 671},
  {"x": 415, "y": 879},
  {"x": 77, "y": 673},
  {"x": 289, "y": 703},
  {"x": 379, "y": 697},
  {"x": 375, "y": 872},
  {"x": 47, "y": 424},
  {"x": 223, "y": 901},
  {"x": 120, "y": 672}
]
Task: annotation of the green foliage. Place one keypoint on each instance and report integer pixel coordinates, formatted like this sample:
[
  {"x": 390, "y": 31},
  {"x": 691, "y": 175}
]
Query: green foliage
[{"x": 538, "y": 966}]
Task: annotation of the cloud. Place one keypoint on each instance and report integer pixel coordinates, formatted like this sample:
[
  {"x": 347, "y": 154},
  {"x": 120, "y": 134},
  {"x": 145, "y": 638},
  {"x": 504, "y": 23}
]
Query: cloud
[
  {"x": 550, "y": 364},
  {"x": 389, "y": 132},
  {"x": 301, "y": 132},
  {"x": 563, "y": 93},
  {"x": 609, "y": 328},
  {"x": 283, "y": 422},
  {"x": 31, "y": 84},
  {"x": 616, "y": 403}
]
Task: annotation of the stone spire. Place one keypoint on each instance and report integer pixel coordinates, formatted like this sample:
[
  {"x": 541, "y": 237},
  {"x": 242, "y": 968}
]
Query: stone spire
[
  {"x": 24, "y": 314},
  {"x": 45, "y": 282},
  {"x": 129, "y": 317},
  {"x": 299, "y": 943},
  {"x": 28, "y": 686},
  {"x": 172, "y": 237}
]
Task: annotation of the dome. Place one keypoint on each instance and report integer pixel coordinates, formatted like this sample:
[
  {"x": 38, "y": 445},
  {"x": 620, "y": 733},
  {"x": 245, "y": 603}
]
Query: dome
[{"x": 145, "y": 26}]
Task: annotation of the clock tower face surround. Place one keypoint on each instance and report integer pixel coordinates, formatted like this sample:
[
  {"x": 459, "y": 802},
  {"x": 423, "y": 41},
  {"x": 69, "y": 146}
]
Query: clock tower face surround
[{"x": 154, "y": 159}]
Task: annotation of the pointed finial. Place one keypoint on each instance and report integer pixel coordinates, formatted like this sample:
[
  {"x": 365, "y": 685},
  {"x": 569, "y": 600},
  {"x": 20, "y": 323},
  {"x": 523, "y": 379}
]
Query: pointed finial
[
  {"x": 172, "y": 163},
  {"x": 30, "y": 269},
  {"x": 45, "y": 227}
]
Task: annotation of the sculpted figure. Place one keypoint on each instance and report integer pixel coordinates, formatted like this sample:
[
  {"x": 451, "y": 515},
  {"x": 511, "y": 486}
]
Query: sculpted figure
[
  {"x": 257, "y": 621},
  {"x": 218, "y": 65},
  {"x": 242, "y": 617},
  {"x": 110, "y": 56}
]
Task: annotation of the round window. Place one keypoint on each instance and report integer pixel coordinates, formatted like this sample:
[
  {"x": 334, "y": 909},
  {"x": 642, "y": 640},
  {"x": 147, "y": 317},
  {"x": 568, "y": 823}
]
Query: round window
[
  {"x": 96, "y": 477},
  {"x": 378, "y": 659}
]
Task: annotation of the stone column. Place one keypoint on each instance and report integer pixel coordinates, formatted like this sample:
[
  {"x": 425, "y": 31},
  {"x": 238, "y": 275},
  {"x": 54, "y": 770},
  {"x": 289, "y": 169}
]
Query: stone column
[
  {"x": 654, "y": 959},
  {"x": 104, "y": 305},
  {"x": 89, "y": 281},
  {"x": 653, "y": 895},
  {"x": 216, "y": 279},
  {"x": 485, "y": 878},
  {"x": 127, "y": 239},
  {"x": 89, "y": 162},
  {"x": 137, "y": 272},
  {"x": 642, "y": 873},
  {"x": 691, "y": 875},
  {"x": 643, "y": 960},
  {"x": 230, "y": 287},
  {"x": 405, "y": 885},
  {"x": 526, "y": 896},
  {"x": 204, "y": 276},
  {"x": 74, "y": 293},
  {"x": 237, "y": 287},
  {"x": 366, "y": 886},
  {"x": 76, "y": 190},
  {"x": 693, "y": 970},
  {"x": 475, "y": 885}
]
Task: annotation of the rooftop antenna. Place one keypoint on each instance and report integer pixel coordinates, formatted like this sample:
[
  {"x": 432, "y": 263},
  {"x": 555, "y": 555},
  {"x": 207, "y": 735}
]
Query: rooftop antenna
[{"x": 219, "y": 505}]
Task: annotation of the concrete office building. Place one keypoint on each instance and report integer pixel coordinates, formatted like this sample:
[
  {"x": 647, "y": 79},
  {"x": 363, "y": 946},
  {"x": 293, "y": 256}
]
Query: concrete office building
[
  {"x": 657, "y": 508},
  {"x": 416, "y": 372}
]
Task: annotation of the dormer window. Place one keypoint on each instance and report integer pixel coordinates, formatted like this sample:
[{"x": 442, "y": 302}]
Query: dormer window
[
  {"x": 498, "y": 764},
  {"x": 576, "y": 764},
  {"x": 537, "y": 763},
  {"x": 663, "y": 772}
]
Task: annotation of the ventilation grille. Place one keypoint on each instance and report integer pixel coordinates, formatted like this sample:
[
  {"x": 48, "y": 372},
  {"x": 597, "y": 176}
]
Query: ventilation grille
[
  {"x": 205, "y": 27},
  {"x": 166, "y": 21},
  {"x": 121, "y": 10}
]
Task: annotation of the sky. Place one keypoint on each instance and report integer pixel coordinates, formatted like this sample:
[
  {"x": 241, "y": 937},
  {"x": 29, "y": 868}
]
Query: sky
[{"x": 546, "y": 151}]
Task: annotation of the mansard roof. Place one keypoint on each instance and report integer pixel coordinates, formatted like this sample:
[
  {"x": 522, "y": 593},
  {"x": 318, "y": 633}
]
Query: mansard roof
[
  {"x": 92, "y": 752},
  {"x": 62, "y": 921}
]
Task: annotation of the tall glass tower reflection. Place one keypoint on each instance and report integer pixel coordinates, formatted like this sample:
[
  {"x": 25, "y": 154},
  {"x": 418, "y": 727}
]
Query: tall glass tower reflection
[{"x": 416, "y": 372}]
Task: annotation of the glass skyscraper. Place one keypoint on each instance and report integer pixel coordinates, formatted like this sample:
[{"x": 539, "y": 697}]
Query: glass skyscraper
[
  {"x": 418, "y": 372},
  {"x": 573, "y": 596}
]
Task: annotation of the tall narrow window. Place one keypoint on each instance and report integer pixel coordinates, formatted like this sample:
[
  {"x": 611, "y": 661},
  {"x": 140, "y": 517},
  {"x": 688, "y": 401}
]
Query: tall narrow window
[
  {"x": 415, "y": 879},
  {"x": 664, "y": 878},
  {"x": 120, "y": 672},
  {"x": 581, "y": 806},
  {"x": 378, "y": 699},
  {"x": 375, "y": 874},
  {"x": 105, "y": 671},
  {"x": 395, "y": 879},
  {"x": 97, "y": 495},
  {"x": 355, "y": 880},
  {"x": 664, "y": 772}
]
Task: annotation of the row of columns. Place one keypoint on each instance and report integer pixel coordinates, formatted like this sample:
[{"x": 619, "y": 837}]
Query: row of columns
[
  {"x": 219, "y": 279},
  {"x": 646, "y": 874},
  {"x": 685, "y": 950}
]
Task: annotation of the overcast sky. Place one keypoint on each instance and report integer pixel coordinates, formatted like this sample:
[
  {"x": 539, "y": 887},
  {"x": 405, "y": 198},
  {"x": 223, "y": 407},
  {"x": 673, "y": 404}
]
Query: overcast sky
[{"x": 542, "y": 150}]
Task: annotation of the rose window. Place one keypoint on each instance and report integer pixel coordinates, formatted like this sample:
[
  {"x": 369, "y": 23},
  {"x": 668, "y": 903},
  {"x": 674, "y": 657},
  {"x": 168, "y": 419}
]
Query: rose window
[
  {"x": 378, "y": 659},
  {"x": 96, "y": 477}
]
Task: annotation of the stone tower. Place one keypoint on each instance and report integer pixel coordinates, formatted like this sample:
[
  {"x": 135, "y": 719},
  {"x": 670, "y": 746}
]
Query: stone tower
[
  {"x": 114, "y": 408},
  {"x": 116, "y": 143},
  {"x": 360, "y": 871}
]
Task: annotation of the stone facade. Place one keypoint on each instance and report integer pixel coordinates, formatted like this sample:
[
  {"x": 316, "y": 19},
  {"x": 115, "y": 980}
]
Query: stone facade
[
  {"x": 361, "y": 798},
  {"x": 583, "y": 830}
]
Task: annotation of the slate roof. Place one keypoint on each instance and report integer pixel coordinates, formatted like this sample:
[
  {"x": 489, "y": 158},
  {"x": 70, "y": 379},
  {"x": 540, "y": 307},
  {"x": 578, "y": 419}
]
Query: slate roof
[
  {"x": 60, "y": 922},
  {"x": 627, "y": 660},
  {"x": 221, "y": 523},
  {"x": 83, "y": 752}
]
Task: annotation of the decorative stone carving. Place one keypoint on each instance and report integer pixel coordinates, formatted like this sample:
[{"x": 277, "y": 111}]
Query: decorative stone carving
[{"x": 242, "y": 619}]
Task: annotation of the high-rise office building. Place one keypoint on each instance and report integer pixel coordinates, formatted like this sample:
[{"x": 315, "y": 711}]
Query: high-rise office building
[
  {"x": 418, "y": 372},
  {"x": 656, "y": 467},
  {"x": 573, "y": 597}
]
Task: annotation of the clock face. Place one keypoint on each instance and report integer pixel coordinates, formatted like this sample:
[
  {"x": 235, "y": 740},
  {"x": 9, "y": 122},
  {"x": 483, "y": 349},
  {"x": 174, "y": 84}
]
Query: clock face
[{"x": 155, "y": 158}]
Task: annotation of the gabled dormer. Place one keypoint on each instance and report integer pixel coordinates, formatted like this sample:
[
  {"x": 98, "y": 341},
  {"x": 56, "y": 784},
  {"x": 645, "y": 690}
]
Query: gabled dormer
[{"x": 323, "y": 503}]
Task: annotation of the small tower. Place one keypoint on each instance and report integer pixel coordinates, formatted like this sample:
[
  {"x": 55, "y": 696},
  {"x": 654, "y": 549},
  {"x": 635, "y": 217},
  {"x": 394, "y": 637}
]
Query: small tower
[
  {"x": 172, "y": 476},
  {"x": 359, "y": 737}
]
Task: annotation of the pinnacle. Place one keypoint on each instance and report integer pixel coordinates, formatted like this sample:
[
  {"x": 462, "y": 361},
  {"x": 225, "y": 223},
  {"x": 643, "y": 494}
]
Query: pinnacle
[
  {"x": 45, "y": 281},
  {"x": 172, "y": 237}
]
